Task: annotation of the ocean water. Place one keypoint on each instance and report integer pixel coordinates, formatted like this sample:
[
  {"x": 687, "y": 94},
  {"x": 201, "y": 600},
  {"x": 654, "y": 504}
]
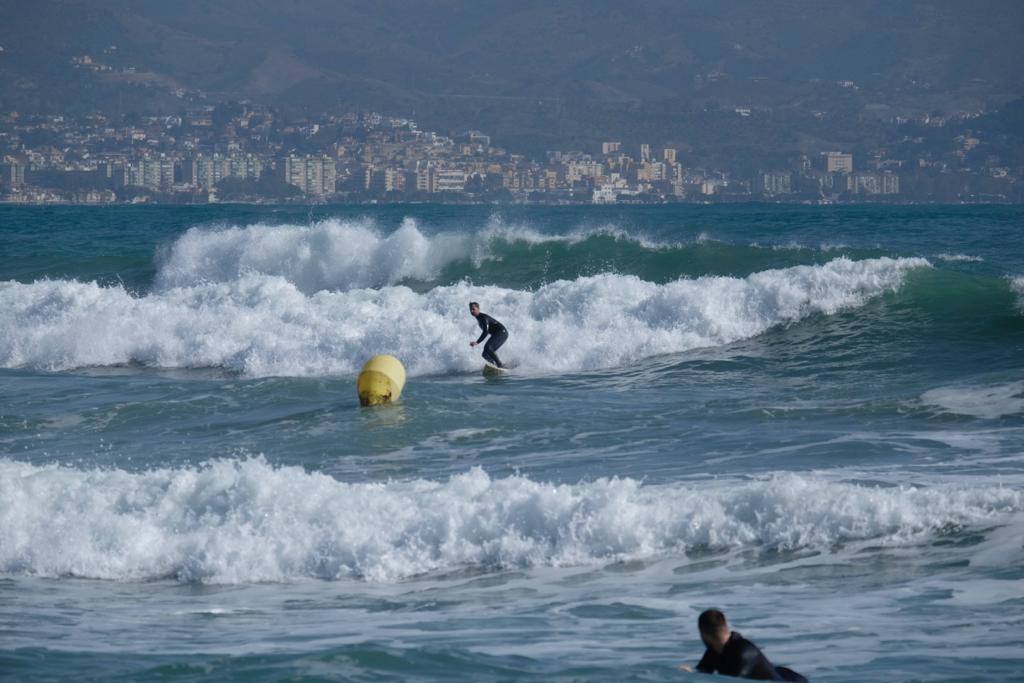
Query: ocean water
[{"x": 811, "y": 418}]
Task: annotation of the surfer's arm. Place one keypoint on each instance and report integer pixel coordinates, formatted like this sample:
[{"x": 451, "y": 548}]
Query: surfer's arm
[
  {"x": 706, "y": 665},
  {"x": 753, "y": 664},
  {"x": 484, "y": 326}
]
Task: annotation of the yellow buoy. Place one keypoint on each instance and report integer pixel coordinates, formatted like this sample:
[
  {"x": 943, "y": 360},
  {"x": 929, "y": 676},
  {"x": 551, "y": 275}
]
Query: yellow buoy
[{"x": 380, "y": 381}]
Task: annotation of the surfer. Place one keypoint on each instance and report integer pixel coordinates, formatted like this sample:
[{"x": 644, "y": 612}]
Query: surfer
[
  {"x": 489, "y": 326},
  {"x": 730, "y": 654}
]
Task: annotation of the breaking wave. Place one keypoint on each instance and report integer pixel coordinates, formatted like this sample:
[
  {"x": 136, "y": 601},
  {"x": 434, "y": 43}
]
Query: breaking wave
[
  {"x": 263, "y": 325},
  {"x": 348, "y": 254},
  {"x": 1017, "y": 285},
  {"x": 240, "y": 521}
]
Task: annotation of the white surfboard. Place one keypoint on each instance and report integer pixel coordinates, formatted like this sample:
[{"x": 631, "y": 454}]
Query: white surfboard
[{"x": 493, "y": 370}]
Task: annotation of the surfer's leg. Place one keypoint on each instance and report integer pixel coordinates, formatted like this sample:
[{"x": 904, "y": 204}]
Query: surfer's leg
[{"x": 493, "y": 344}]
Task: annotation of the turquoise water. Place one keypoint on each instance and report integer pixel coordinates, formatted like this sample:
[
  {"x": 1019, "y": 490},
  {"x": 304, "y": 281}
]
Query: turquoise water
[{"x": 809, "y": 417}]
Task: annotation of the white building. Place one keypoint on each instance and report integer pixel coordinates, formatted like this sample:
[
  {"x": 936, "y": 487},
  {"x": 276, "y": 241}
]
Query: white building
[
  {"x": 314, "y": 175},
  {"x": 775, "y": 182},
  {"x": 651, "y": 172},
  {"x": 207, "y": 171},
  {"x": 449, "y": 180},
  {"x": 154, "y": 173},
  {"x": 838, "y": 161},
  {"x": 578, "y": 170},
  {"x": 606, "y": 194}
]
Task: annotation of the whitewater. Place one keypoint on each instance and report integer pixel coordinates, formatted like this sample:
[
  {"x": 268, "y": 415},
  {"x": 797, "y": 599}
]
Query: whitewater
[
  {"x": 216, "y": 523},
  {"x": 809, "y": 417},
  {"x": 267, "y": 301}
]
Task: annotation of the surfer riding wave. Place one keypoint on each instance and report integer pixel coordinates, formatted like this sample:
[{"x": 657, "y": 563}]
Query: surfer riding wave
[{"x": 488, "y": 326}]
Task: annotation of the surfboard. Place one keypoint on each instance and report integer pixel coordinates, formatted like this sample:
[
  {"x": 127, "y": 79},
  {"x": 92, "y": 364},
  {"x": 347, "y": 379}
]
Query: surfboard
[{"x": 493, "y": 370}]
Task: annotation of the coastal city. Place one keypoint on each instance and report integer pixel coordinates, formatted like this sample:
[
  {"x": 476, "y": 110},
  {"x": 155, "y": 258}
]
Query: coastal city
[{"x": 248, "y": 152}]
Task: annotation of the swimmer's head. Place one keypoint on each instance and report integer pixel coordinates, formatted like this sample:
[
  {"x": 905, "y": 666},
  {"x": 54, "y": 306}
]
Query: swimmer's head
[{"x": 714, "y": 629}]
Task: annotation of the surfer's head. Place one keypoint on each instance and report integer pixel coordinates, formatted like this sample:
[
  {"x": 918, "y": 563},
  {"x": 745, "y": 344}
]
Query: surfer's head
[
  {"x": 714, "y": 630},
  {"x": 474, "y": 308}
]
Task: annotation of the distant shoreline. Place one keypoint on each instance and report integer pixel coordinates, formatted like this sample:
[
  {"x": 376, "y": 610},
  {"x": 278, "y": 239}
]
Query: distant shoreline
[{"x": 746, "y": 202}]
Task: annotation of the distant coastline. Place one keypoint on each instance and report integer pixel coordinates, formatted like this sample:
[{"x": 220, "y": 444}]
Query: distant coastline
[
  {"x": 561, "y": 202},
  {"x": 248, "y": 152}
]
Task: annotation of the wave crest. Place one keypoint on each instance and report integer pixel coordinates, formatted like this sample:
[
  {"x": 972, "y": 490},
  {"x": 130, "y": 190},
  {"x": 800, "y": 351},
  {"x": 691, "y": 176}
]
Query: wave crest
[
  {"x": 263, "y": 325},
  {"x": 339, "y": 254}
]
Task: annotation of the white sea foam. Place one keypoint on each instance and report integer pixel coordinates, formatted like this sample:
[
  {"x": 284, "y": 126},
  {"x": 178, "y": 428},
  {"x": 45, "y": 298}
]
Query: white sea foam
[
  {"x": 1017, "y": 285},
  {"x": 792, "y": 245},
  {"x": 264, "y": 325},
  {"x": 331, "y": 254},
  {"x": 959, "y": 258},
  {"x": 345, "y": 254},
  {"x": 987, "y": 402},
  {"x": 244, "y": 521}
]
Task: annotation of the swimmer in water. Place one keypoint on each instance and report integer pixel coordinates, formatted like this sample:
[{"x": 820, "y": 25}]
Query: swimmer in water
[{"x": 730, "y": 654}]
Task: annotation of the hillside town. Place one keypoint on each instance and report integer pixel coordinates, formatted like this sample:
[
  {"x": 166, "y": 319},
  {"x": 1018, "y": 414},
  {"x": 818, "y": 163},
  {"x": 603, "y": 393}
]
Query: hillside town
[{"x": 247, "y": 152}]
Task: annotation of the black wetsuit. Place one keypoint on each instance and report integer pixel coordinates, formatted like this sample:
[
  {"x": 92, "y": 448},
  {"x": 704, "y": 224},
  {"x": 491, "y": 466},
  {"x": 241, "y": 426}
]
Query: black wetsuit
[
  {"x": 740, "y": 657},
  {"x": 498, "y": 333}
]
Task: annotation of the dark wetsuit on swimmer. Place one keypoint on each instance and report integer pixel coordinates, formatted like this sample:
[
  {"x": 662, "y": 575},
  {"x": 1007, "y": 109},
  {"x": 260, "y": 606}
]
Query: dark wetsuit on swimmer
[
  {"x": 498, "y": 333},
  {"x": 741, "y": 658}
]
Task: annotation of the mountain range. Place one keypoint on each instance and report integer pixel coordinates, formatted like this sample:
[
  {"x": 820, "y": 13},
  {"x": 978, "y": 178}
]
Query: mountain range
[{"x": 531, "y": 73}]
